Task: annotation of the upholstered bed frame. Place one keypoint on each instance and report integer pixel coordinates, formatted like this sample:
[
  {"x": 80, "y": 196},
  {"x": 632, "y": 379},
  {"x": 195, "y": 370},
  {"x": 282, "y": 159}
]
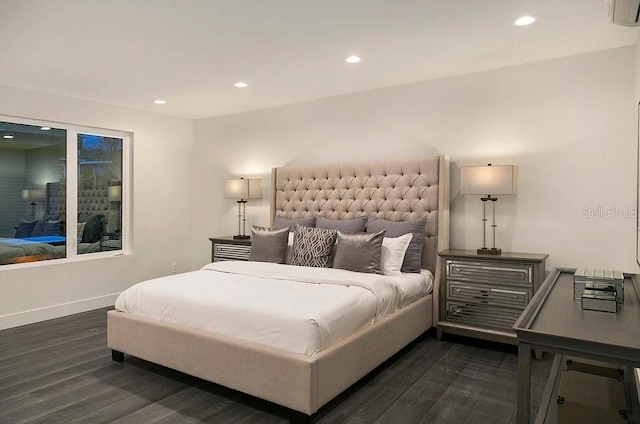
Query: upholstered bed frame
[{"x": 392, "y": 190}]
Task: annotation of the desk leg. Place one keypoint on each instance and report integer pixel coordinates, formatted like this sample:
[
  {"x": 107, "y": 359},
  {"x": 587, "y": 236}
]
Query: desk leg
[{"x": 524, "y": 382}]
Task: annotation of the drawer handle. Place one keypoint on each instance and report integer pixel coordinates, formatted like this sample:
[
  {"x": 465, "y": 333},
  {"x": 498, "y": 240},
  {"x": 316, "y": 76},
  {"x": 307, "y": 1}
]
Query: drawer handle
[
  {"x": 457, "y": 290},
  {"x": 456, "y": 310}
]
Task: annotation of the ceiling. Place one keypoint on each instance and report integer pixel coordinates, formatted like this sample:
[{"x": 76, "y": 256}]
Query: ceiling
[{"x": 191, "y": 52}]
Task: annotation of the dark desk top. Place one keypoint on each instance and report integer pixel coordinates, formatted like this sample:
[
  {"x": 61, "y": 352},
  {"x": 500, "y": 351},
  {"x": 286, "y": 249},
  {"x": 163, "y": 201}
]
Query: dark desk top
[{"x": 554, "y": 319}]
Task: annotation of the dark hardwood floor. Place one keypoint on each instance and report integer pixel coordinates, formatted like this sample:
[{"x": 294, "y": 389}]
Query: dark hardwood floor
[{"x": 60, "y": 371}]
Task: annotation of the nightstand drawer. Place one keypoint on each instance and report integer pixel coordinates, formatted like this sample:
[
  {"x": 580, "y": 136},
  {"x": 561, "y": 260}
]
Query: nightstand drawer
[
  {"x": 493, "y": 273},
  {"x": 488, "y": 295},
  {"x": 482, "y": 315},
  {"x": 224, "y": 251}
]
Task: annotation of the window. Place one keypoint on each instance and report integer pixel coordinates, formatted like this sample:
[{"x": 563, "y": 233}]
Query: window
[{"x": 61, "y": 191}]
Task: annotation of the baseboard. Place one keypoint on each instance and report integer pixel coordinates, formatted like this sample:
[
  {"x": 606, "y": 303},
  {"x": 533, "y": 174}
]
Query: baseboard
[{"x": 56, "y": 311}]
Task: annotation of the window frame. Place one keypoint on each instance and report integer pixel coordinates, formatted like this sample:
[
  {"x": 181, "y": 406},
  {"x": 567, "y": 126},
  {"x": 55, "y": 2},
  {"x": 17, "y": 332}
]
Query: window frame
[{"x": 72, "y": 131}]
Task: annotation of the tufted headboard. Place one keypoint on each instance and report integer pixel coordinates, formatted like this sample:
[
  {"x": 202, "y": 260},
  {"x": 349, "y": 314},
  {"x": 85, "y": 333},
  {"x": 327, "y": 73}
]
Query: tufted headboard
[
  {"x": 393, "y": 190},
  {"x": 91, "y": 201}
]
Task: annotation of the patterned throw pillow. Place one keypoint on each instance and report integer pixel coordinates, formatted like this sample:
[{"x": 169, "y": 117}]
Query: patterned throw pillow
[{"x": 312, "y": 246}]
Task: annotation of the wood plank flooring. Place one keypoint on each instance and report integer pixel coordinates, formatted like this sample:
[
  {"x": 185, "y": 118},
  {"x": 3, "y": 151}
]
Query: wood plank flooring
[{"x": 60, "y": 371}]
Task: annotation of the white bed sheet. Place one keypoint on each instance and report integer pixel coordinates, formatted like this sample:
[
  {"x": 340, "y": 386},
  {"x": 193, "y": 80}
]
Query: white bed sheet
[{"x": 297, "y": 309}]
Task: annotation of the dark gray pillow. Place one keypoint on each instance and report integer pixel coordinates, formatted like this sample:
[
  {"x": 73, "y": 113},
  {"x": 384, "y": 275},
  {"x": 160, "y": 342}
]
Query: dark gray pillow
[
  {"x": 280, "y": 222},
  {"x": 40, "y": 229},
  {"x": 93, "y": 229},
  {"x": 355, "y": 225},
  {"x": 52, "y": 228},
  {"x": 25, "y": 228},
  {"x": 413, "y": 257},
  {"x": 312, "y": 246},
  {"x": 359, "y": 252},
  {"x": 269, "y": 245}
]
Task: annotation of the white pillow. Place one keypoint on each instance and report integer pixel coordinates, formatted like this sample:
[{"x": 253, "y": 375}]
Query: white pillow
[
  {"x": 392, "y": 255},
  {"x": 290, "y": 247}
]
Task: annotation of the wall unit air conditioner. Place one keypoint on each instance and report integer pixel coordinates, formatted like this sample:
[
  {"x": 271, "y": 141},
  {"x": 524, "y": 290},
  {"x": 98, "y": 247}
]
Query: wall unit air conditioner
[{"x": 625, "y": 12}]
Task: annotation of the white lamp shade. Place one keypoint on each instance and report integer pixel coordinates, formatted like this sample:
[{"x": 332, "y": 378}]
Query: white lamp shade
[
  {"x": 487, "y": 180},
  {"x": 115, "y": 193},
  {"x": 242, "y": 189},
  {"x": 33, "y": 195}
]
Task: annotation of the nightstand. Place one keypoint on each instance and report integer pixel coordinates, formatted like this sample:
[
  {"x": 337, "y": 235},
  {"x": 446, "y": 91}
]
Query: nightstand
[
  {"x": 110, "y": 242},
  {"x": 229, "y": 249},
  {"x": 483, "y": 295}
]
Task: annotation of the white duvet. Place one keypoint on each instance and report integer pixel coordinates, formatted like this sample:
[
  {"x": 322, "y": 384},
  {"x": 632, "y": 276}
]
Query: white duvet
[{"x": 297, "y": 309}]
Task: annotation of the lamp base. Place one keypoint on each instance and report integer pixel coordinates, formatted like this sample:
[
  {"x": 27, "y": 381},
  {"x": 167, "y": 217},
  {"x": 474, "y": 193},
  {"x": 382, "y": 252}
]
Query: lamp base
[
  {"x": 239, "y": 237},
  {"x": 492, "y": 251}
]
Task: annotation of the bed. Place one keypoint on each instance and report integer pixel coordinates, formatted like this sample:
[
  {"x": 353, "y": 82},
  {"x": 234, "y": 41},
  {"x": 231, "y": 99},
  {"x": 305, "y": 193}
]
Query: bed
[
  {"x": 304, "y": 382},
  {"x": 45, "y": 238}
]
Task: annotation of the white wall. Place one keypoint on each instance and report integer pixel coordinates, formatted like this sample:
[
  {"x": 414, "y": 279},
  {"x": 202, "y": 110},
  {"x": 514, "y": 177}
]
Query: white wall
[
  {"x": 638, "y": 68},
  {"x": 161, "y": 220},
  {"x": 569, "y": 124}
]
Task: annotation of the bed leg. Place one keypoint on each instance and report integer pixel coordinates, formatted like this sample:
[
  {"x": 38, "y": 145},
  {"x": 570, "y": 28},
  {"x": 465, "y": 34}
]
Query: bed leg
[
  {"x": 117, "y": 356},
  {"x": 299, "y": 418}
]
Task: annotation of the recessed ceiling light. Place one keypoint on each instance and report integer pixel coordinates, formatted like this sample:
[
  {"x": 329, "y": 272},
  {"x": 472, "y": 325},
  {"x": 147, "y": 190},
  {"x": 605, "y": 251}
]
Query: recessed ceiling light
[
  {"x": 160, "y": 102},
  {"x": 8, "y": 136},
  {"x": 353, "y": 59},
  {"x": 525, "y": 20},
  {"x": 241, "y": 84},
  {"x": 45, "y": 128}
]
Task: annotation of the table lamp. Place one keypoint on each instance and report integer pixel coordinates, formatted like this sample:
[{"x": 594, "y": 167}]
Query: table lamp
[
  {"x": 33, "y": 197},
  {"x": 487, "y": 181},
  {"x": 241, "y": 190}
]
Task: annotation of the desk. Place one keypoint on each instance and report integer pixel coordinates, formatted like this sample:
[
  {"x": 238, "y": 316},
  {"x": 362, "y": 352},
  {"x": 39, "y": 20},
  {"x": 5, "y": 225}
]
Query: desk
[{"x": 554, "y": 322}]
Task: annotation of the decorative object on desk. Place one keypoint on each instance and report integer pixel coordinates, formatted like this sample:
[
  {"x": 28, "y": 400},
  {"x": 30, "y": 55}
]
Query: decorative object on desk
[
  {"x": 488, "y": 180},
  {"x": 598, "y": 279},
  {"x": 33, "y": 196},
  {"x": 241, "y": 190},
  {"x": 599, "y": 300},
  {"x": 598, "y": 289}
]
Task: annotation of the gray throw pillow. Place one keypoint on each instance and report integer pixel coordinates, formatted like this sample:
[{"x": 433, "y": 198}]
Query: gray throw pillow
[
  {"x": 94, "y": 228},
  {"x": 269, "y": 245},
  {"x": 312, "y": 246},
  {"x": 355, "y": 225},
  {"x": 25, "y": 228},
  {"x": 413, "y": 257},
  {"x": 359, "y": 252},
  {"x": 281, "y": 222}
]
